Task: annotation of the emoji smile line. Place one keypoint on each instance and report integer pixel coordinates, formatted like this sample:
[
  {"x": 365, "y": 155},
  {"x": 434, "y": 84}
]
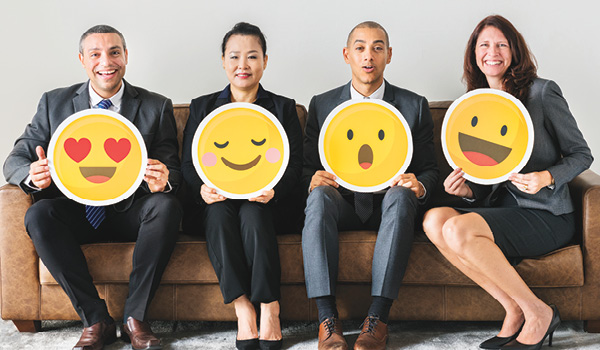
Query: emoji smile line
[
  {"x": 241, "y": 166},
  {"x": 97, "y": 174},
  {"x": 482, "y": 152}
]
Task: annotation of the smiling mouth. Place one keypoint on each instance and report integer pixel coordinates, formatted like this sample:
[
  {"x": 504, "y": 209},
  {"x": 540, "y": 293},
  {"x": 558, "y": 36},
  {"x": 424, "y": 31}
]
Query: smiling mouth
[
  {"x": 481, "y": 152},
  {"x": 365, "y": 157},
  {"x": 97, "y": 174},
  {"x": 241, "y": 166}
]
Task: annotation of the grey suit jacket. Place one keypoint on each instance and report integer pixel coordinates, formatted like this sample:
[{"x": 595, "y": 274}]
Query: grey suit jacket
[
  {"x": 558, "y": 147},
  {"x": 413, "y": 107},
  {"x": 151, "y": 113}
]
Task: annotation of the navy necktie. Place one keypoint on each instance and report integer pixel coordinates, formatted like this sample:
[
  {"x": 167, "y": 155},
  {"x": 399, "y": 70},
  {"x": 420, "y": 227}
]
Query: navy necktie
[
  {"x": 363, "y": 202},
  {"x": 96, "y": 214}
]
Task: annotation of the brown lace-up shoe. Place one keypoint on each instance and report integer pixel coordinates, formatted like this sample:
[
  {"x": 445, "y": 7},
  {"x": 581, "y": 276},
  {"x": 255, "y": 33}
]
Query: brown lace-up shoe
[
  {"x": 330, "y": 335},
  {"x": 140, "y": 335},
  {"x": 373, "y": 335},
  {"x": 97, "y": 335}
]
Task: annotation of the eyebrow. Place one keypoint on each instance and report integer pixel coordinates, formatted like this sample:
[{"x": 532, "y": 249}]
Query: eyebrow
[
  {"x": 364, "y": 42},
  {"x": 112, "y": 48},
  {"x": 237, "y": 52}
]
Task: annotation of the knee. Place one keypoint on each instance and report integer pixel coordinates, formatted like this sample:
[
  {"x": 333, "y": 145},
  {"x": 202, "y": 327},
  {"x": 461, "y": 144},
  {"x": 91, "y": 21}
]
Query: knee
[
  {"x": 433, "y": 221},
  {"x": 36, "y": 217},
  {"x": 321, "y": 197},
  {"x": 457, "y": 234},
  {"x": 164, "y": 205},
  {"x": 400, "y": 197}
]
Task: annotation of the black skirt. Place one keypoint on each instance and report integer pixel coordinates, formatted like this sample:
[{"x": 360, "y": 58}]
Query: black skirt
[{"x": 524, "y": 233}]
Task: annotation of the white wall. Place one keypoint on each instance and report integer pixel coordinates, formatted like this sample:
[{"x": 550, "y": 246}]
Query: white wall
[{"x": 174, "y": 47}]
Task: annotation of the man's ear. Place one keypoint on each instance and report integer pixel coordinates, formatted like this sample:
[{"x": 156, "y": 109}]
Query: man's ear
[{"x": 345, "y": 53}]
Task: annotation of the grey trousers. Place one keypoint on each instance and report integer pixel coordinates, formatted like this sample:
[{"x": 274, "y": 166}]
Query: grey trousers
[{"x": 327, "y": 212}]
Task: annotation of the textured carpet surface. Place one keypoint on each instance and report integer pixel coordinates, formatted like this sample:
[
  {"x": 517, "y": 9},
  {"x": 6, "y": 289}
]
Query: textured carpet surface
[{"x": 297, "y": 335}]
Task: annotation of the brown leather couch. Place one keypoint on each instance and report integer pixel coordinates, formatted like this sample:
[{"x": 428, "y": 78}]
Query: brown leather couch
[{"x": 432, "y": 288}]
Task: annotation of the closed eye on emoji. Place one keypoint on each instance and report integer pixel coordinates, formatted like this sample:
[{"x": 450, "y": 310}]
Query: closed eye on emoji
[{"x": 488, "y": 133}]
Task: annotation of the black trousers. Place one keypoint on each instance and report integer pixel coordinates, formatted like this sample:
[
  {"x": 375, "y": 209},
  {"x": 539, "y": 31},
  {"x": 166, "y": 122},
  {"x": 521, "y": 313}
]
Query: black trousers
[
  {"x": 242, "y": 247},
  {"x": 58, "y": 227}
]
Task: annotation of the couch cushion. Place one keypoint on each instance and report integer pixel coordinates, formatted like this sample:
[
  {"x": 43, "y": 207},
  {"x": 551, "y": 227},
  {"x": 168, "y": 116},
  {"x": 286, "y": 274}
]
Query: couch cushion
[{"x": 111, "y": 263}]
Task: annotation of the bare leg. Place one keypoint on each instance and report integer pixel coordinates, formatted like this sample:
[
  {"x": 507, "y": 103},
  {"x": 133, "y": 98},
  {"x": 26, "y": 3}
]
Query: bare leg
[
  {"x": 471, "y": 241},
  {"x": 270, "y": 328},
  {"x": 246, "y": 315}
]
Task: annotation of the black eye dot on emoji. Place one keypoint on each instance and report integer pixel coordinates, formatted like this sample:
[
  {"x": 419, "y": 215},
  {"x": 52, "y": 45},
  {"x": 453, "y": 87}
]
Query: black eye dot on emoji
[
  {"x": 474, "y": 121},
  {"x": 350, "y": 134},
  {"x": 259, "y": 143},
  {"x": 381, "y": 134},
  {"x": 504, "y": 130},
  {"x": 221, "y": 145}
]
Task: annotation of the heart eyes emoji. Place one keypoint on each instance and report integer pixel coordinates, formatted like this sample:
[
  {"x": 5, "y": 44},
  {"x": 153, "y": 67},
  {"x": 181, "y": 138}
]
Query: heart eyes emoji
[{"x": 79, "y": 150}]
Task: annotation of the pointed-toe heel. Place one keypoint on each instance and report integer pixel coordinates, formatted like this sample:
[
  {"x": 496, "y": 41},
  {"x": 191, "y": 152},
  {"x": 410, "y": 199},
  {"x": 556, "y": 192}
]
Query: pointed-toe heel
[
  {"x": 247, "y": 344},
  {"x": 270, "y": 344},
  {"x": 554, "y": 323},
  {"x": 497, "y": 342}
]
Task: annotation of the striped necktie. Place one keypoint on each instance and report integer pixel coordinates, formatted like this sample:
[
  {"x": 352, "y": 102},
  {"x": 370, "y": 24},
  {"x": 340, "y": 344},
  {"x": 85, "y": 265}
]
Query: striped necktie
[
  {"x": 363, "y": 202},
  {"x": 96, "y": 214}
]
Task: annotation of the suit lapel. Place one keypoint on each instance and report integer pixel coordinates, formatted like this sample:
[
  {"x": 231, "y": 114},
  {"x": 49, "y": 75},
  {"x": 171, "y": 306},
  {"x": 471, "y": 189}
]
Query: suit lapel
[
  {"x": 345, "y": 93},
  {"x": 388, "y": 94},
  {"x": 130, "y": 103},
  {"x": 81, "y": 101}
]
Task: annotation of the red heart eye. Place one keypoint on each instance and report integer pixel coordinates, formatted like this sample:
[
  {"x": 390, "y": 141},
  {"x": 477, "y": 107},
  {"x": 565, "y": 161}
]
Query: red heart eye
[
  {"x": 77, "y": 150},
  {"x": 117, "y": 150}
]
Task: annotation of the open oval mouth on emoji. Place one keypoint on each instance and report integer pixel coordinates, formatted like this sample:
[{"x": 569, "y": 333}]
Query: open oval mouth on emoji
[
  {"x": 365, "y": 156},
  {"x": 482, "y": 152},
  {"x": 97, "y": 174}
]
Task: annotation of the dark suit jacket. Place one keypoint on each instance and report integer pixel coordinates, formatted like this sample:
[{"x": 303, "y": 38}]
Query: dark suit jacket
[
  {"x": 558, "y": 147},
  {"x": 283, "y": 108},
  {"x": 151, "y": 113},
  {"x": 413, "y": 107}
]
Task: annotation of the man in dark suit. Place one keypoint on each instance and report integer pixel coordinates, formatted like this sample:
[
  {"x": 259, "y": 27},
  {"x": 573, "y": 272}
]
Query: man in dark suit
[
  {"x": 150, "y": 217},
  {"x": 392, "y": 212}
]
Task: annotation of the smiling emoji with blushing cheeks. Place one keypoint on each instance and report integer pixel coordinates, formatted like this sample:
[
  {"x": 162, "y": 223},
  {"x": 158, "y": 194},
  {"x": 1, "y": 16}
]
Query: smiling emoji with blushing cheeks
[{"x": 240, "y": 149}]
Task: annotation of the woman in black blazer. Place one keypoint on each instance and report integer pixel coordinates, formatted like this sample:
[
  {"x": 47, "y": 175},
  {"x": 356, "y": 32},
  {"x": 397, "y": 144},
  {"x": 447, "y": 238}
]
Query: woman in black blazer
[
  {"x": 240, "y": 234},
  {"x": 529, "y": 215}
]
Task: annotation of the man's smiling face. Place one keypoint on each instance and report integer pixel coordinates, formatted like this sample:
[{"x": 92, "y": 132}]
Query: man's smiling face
[{"x": 104, "y": 59}]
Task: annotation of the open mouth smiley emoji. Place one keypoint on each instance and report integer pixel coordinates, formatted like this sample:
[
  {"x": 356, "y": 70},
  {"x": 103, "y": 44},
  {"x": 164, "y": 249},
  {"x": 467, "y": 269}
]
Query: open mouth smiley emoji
[
  {"x": 97, "y": 157},
  {"x": 489, "y": 134},
  {"x": 240, "y": 149},
  {"x": 366, "y": 144}
]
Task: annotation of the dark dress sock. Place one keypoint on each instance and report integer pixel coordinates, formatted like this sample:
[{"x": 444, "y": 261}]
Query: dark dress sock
[
  {"x": 327, "y": 307},
  {"x": 380, "y": 308}
]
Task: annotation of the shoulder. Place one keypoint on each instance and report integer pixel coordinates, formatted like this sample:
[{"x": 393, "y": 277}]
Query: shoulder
[
  {"x": 404, "y": 95},
  {"x": 66, "y": 92},
  {"x": 541, "y": 87},
  {"x": 205, "y": 101},
  {"x": 328, "y": 96},
  {"x": 144, "y": 94}
]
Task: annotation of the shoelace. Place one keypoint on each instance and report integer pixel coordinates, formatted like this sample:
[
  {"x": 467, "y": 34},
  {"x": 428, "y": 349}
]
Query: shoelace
[
  {"x": 330, "y": 326},
  {"x": 371, "y": 323}
]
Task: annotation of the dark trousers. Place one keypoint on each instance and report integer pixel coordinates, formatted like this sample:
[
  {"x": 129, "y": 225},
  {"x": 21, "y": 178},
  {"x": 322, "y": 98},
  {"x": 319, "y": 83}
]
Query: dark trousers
[
  {"x": 242, "y": 247},
  {"x": 58, "y": 227}
]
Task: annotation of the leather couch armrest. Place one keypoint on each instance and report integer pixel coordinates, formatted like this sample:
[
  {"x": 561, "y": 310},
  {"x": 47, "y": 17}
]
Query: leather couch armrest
[
  {"x": 20, "y": 286},
  {"x": 585, "y": 190}
]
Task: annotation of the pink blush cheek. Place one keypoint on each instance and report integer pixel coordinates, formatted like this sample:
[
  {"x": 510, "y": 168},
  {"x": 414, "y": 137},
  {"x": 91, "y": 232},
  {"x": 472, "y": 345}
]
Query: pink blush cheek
[
  {"x": 209, "y": 159},
  {"x": 273, "y": 155}
]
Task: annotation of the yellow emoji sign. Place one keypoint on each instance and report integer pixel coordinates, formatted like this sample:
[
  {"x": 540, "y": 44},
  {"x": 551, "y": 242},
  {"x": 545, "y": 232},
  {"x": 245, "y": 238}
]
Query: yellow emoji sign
[
  {"x": 240, "y": 149},
  {"x": 365, "y": 144},
  {"x": 97, "y": 157},
  {"x": 489, "y": 134}
]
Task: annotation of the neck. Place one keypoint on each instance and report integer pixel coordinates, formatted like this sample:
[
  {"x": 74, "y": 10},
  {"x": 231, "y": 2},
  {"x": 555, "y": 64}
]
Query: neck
[
  {"x": 238, "y": 95},
  {"x": 107, "y": 94},
  {"x": 366, "y": 89},
  {"x": 495, "y": 83}
]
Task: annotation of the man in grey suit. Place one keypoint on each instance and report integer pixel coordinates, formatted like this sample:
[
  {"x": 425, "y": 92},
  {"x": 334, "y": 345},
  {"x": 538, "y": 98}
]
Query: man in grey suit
[
  {"x": 150, "y": 217},
  {"x": 392, "y": 212}
]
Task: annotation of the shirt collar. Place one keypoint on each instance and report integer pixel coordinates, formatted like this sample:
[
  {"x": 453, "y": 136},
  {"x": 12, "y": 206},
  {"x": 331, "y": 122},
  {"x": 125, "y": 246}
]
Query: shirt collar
[
  {"x": 226, "y": 93},
  {"x": 115, "y": 99},
  {"x": 377, "y": 94}
]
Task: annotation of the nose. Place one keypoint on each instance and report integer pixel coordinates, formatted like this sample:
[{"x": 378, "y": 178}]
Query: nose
[{"x": 243, "y": 62}]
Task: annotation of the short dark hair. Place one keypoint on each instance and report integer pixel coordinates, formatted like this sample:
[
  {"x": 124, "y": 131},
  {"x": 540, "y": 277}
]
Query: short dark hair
[
  {"x": 100, "y": 29},
  {"x": 243, "y": 28},
  {"x": 523, "y": 68},
  {"x": 369, "y": 24}
]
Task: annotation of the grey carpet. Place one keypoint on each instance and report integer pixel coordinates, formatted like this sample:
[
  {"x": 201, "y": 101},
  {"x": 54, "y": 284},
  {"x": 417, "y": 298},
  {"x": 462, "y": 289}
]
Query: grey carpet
[{"x": 297, "y": 335}]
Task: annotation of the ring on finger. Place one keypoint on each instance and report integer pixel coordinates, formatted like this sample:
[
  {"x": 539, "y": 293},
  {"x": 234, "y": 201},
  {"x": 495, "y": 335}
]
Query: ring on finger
[{"x": 525, "y": 187}]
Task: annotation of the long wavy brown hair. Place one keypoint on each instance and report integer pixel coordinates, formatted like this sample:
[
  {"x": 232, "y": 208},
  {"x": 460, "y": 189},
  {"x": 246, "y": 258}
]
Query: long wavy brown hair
[{"x": 523, "y": 68}]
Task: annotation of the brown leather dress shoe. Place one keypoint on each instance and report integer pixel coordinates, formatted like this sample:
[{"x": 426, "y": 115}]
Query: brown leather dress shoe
[
  {"x": 373, "y": 335},
  {"x": 330, "y": 335},
  {"x": 140, "y": 335},
  {"x": 97, "y": 335}
]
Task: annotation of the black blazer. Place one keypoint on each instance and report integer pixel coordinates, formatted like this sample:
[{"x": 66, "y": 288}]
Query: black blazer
[
  {"x": 283, "y": 108},
  {"x": 151, "y": 113},
  {"x": 413, "y": 107}
]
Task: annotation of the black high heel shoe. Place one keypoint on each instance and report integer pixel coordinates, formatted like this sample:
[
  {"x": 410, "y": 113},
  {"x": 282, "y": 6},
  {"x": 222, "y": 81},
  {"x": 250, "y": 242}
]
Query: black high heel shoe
[
  {"x": 497, "y": 342},
  {"x": 270, "y": 344},
  {"x": 247, "y": 344},
  {"x": 554, "y": 323}
]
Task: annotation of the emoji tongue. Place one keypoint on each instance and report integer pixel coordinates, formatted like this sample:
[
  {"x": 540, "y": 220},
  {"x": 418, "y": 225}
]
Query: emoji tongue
[
  {"x": 97, "y": 179},
  {"x": 480, "y": 158},
  {"x": 365, "y": 165}
]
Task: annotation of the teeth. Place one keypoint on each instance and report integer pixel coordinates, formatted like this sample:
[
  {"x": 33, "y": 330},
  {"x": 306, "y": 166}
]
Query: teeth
[
  {"x": 493, "y": 63},
  {"x": 107, "y": 72}
]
